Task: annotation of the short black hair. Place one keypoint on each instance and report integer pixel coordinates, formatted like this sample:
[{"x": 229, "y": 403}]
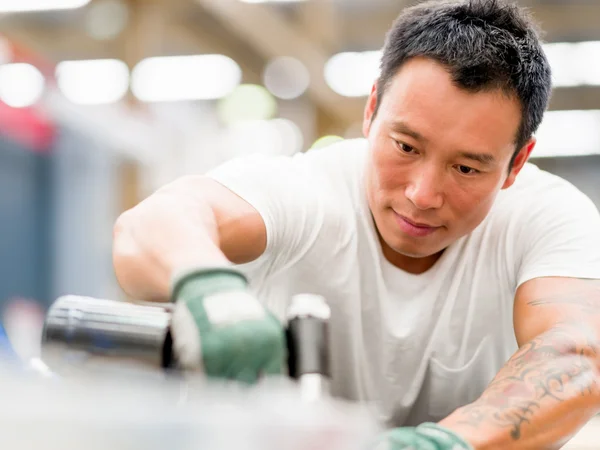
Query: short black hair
[{"x": 484, "y": 44}]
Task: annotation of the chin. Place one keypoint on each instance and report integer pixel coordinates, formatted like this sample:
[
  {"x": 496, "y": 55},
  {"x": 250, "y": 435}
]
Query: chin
[
  {"x": 413, "y": 253},
  {"x": 410, "y": 249}
]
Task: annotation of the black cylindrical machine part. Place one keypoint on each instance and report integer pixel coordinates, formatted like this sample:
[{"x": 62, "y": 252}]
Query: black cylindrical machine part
[
  {"x": 307, "y": 346},
  {"x": 83, "y": 331}
]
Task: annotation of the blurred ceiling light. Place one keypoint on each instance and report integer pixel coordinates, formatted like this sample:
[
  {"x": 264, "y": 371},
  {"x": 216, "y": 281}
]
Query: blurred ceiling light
[
  {"x": 21, "y": 84},
  {"x": 247, "y": 102},
  {"x": 286, "y": 78},
  {"x": 568, "y": 133},
  {"x": 93, "y": 82},
  {"x": 326, "y": 141},
  {"x": 352, "y": 74},
  {"x": 275, "y": 137},
  {"x": 574, "y": 64},
  {"x": 106, "y": 19},
  {"x": 179, "y": 78},
  {"x": 39, "y": 5},
  {"x": 271, "y": 1}
]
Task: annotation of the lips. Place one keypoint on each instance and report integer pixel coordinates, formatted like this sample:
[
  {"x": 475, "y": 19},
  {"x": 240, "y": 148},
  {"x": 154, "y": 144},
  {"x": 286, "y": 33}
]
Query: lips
[
  {"x": 413, "y": 228},
  {"x": 417, "y": 224}
]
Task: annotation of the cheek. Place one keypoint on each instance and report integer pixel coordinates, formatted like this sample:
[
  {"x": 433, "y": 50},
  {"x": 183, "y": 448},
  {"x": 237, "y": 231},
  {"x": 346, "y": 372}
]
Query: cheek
[
  {"x": 386, "y": 168},
  {"x": 472, "y": 205},
  {"x": 387, "y": 181}
]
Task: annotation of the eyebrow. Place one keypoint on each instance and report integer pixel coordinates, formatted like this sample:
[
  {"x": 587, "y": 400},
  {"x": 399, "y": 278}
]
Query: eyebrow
[
  {"x": 402, "y": 127},
  {"x": 482, "y": 158}
]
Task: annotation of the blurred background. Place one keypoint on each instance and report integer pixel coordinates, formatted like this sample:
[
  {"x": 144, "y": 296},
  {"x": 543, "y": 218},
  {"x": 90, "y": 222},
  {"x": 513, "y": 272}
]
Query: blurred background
[{"x": 103, "y": 101}]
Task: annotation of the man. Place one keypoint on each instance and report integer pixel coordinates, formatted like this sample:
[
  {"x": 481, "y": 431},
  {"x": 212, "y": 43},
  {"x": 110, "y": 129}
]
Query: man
[{"x": 448, "y": 261}]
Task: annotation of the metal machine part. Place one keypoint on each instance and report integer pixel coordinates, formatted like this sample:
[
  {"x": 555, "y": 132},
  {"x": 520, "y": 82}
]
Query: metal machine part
[
  {"x": 308, "y": 345},
  {"x": 84, "y": 332}
]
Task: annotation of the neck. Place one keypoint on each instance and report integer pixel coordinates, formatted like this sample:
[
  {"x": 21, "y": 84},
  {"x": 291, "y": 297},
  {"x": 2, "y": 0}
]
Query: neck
[{"x": 408, "y": 264}]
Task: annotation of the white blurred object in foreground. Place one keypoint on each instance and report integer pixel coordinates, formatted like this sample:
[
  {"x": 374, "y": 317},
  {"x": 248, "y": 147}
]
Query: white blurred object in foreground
[{"x": 93, "y": 414}]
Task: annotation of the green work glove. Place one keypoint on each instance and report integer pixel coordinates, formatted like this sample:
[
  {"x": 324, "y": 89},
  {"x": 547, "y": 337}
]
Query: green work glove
[
  {"x": 427, "y": 436},
  {"x": 218, "y": 327}
]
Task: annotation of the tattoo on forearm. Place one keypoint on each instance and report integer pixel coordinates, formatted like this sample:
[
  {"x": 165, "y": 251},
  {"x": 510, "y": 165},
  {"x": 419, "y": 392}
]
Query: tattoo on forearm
[{"x": 555, "y": 367}]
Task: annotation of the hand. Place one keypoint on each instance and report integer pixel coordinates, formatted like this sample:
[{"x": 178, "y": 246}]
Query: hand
[
  {"x": 428, "y": 436},
  {"x": 220, "y": 328}
]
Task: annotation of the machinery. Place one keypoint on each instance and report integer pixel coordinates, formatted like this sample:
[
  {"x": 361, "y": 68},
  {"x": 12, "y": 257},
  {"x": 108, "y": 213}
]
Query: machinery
[{"x": 113, "y": 382}]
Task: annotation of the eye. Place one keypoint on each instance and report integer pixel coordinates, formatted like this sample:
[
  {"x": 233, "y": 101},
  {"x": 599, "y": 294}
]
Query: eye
[
  {"x": 465, "y": 170},
  {"x": 405, "y": 148}
]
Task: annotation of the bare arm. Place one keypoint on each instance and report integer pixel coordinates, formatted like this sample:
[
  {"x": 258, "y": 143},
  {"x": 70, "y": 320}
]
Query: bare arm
[
  {"x": 551, "y": 387},
  {"x": 192, "y": 221}
]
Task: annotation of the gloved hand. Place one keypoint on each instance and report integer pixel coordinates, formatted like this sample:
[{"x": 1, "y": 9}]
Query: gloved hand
[
  {"x": 427, "y": 436},
  {"x": 218, "y": 327}
]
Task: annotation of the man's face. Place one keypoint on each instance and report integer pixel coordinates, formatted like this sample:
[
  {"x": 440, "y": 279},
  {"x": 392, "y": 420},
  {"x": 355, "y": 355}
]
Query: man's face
[{"x": 438, "y": 157}]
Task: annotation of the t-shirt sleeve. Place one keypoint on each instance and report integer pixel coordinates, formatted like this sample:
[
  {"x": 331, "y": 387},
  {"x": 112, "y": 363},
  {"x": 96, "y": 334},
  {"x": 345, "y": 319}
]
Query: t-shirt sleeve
[
  {"x": 291, "y": 198},
  {"x": 560, "y": 237}
]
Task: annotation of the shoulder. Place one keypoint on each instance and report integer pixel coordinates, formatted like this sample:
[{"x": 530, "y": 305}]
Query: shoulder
[
  {"x": 344, "y": 158},
  {"x": 532, "y": 178},
  {"x": 543, "y": 225},
  {"x": 542, "y": 211},
  {"x": 539, "y": 206},
  {"x": 339, "y": 170},
  {"x": 326, "y": 179},
  {"x": 540, "y": 194}
]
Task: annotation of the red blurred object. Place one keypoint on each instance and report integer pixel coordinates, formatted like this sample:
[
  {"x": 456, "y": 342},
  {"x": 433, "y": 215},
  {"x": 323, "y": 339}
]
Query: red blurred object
[{"x": 28, "y": 126}]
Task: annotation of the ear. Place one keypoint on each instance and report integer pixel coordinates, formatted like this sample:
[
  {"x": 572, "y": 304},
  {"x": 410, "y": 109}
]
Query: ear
[
  {"x": 370, "y": 110},
  {"x": 520, "y": 161}
]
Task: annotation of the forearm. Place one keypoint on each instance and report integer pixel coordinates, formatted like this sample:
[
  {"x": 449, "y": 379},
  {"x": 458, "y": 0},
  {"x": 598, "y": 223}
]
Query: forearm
[
  {"x": 546, "y": 392},
  {"x": 162, "y": 234}
]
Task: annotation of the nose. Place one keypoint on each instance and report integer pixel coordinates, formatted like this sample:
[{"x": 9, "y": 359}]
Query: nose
[{"x": 424, "y": 190}]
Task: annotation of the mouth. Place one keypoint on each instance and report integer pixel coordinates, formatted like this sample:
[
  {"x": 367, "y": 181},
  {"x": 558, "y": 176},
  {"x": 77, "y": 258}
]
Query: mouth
[{"x": 412, "y": 228}]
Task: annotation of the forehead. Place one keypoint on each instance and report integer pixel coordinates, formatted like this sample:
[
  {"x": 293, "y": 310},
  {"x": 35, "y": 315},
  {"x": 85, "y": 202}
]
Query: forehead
[{"x": 423, "y": 95}]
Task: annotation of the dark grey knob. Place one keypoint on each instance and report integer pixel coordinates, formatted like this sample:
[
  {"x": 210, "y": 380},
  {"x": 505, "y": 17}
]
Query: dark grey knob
[{"x": 308, "y": 344}]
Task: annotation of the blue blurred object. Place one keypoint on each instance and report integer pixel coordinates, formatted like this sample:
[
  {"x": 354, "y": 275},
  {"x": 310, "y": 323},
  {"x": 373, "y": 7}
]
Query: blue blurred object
[
  {"x": 7, "y": 353},
  {"x": 12, "y": 363}
]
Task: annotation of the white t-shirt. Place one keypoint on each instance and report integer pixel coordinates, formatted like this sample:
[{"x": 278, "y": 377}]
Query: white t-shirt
[{"x": 414, "y": 347}]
